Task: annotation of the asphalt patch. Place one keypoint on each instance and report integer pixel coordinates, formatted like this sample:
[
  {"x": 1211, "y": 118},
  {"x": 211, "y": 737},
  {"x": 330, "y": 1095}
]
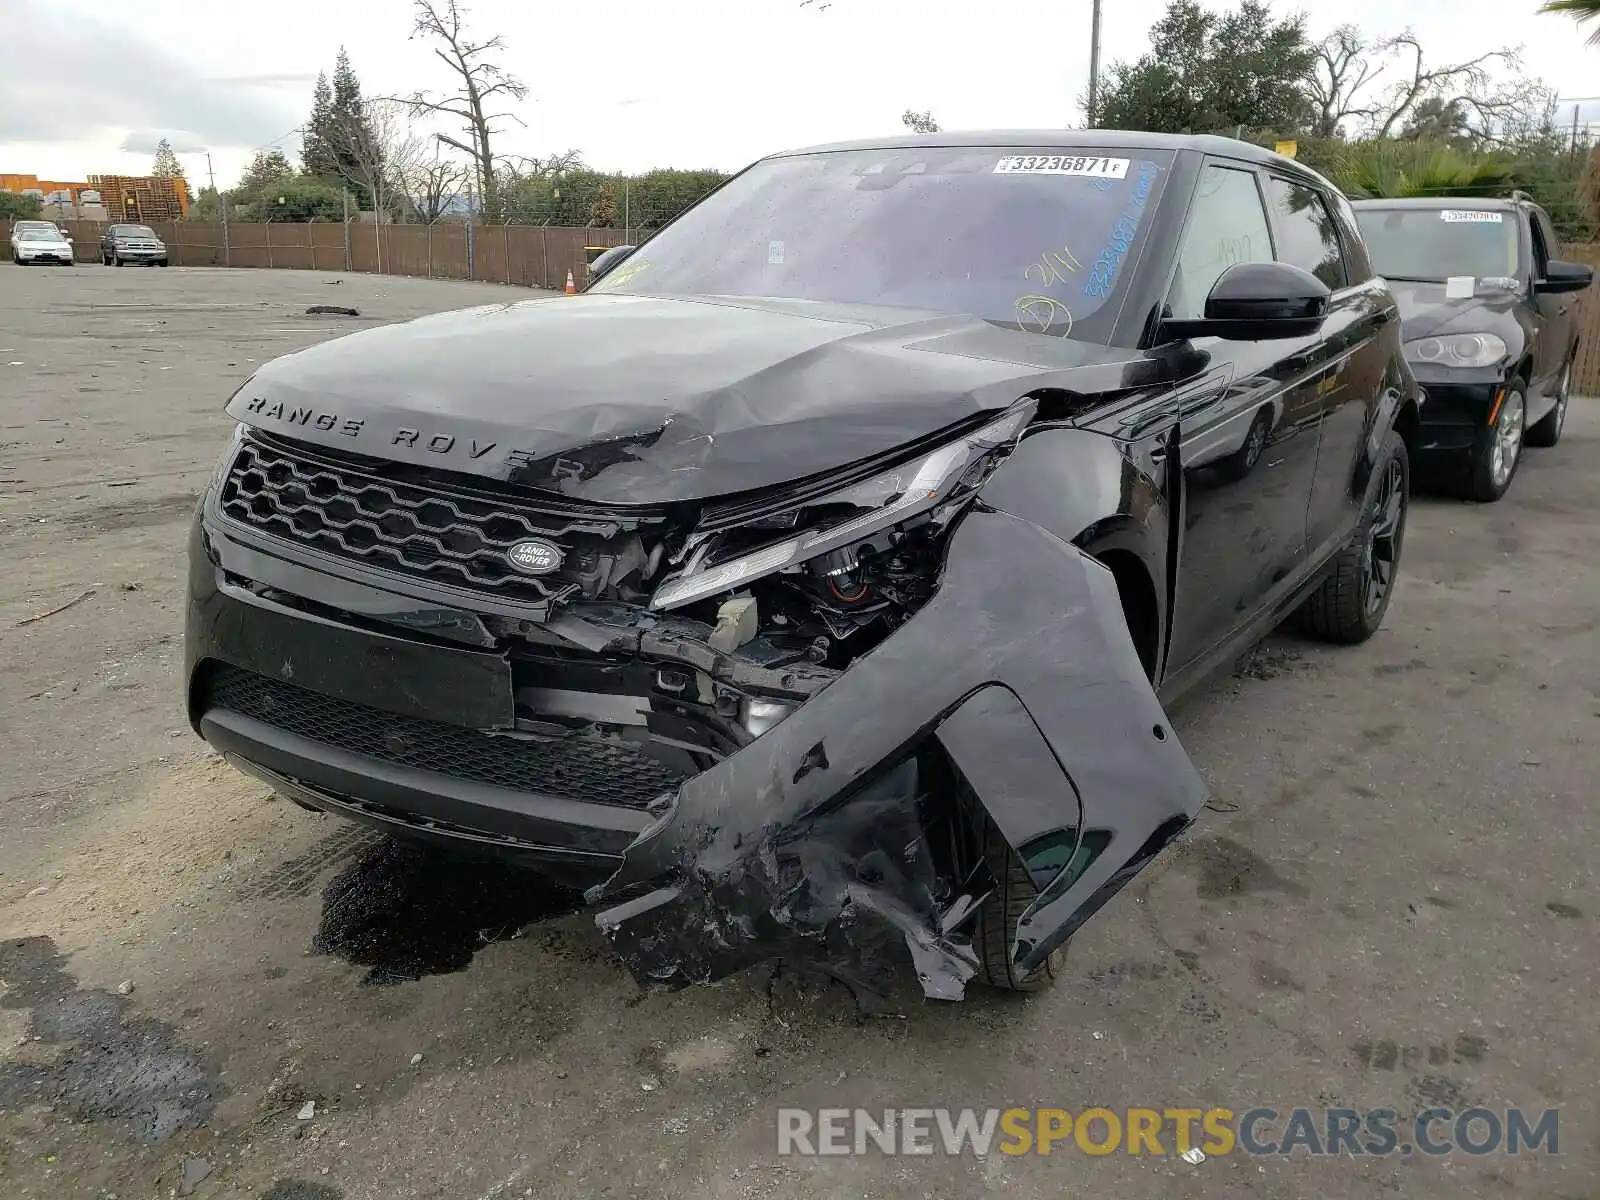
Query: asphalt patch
[
  {"x": 298, "y": 1189},
  {"x": 406, "y": 911},
  {"x": 108, "y": 1066}
]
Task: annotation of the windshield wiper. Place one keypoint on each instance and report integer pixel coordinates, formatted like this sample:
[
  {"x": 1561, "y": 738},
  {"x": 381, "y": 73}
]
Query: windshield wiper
[{"x": 1410, "y": 278}]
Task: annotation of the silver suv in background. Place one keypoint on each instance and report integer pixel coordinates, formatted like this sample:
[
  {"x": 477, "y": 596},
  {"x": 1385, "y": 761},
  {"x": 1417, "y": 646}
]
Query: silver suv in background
[{"x": 122, "y": 244}]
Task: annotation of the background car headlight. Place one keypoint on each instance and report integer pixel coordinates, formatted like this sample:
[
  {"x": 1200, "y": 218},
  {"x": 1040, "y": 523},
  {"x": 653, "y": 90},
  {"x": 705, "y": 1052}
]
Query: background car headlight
[
  {"x": 1457, "y": 350},
  {"x": 890, "y": 497}
]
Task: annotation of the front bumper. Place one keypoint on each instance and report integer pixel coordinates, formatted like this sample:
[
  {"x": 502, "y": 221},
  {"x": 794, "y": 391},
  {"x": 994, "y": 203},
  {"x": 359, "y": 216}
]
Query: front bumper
[
  {"x": 819, "y": 838},
  {"x": 1456, "y": 411},
  {"x": 28, "y": 255},
  {"x": 140, "y": 253}
]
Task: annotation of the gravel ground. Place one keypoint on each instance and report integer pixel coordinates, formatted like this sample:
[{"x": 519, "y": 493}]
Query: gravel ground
[{"x": 1393, "y": 902}]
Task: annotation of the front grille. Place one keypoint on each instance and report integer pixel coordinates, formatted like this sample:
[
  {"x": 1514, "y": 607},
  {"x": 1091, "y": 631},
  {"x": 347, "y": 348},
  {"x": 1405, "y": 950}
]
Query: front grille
[
  {"x": 577, "y": 768},
  {"x": 444, "y": 536}
]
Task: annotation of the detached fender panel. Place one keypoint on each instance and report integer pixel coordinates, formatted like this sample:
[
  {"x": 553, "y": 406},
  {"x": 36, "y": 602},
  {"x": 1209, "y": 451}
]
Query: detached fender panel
[{"x": 811, "y": 836}]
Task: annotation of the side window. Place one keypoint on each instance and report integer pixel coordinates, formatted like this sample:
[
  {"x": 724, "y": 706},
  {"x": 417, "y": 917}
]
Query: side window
[
  {"x": 1227, "y": 225},
  {"x": 1307, "y": 237},
  {"x": 1357, "y": 264},
  {"x": 1539, "y": 227}
]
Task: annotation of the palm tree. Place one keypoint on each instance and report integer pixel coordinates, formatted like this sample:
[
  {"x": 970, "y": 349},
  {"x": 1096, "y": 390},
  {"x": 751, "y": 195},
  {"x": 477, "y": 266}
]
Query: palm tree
[
  {"x": 1580, "y": 11},
  {"x": 1389, "y": 168}
]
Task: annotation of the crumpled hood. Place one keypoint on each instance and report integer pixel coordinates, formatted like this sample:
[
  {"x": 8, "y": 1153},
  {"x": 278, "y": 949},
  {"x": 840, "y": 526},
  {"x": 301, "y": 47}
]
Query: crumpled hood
[
  {"x": 1424, "y": 311},
  {"x": 647, "y": 400}
]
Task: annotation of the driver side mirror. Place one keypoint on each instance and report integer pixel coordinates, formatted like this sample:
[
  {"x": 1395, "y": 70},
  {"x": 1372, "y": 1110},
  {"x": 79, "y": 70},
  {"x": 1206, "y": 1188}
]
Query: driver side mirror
[
  {"x": 1258, "y": 302},
  {"x": 1563, "y": 276},
  {"x": 605, "y": 261}
]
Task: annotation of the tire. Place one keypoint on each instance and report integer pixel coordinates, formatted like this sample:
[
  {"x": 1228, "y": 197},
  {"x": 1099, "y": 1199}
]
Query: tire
[
  {"x": 1548, "y": 431},
  {"x": 1498, "y": 450},
  {"x": 996, "y": 928},
  {"x": 161, "y": 262},
  {"x": 116, "y": 260},
  {"x": 1348, "y": 606}
]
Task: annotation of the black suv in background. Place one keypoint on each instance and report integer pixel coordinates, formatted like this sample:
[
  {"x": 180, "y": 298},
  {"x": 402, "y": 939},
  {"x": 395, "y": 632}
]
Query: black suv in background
[
  {"x": 1489, "y": 329},
  {"x": 807, "y": 585}
]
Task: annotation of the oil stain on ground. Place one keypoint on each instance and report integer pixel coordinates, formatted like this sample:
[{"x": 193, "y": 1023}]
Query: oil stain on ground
[
  {"x": 1228, "y": 868},
  {"x": 405, "y": 911},
  {"x": 107, "y": 1065}
]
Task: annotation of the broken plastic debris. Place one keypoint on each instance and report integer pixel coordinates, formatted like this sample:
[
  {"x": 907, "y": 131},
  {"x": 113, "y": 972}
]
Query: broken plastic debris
[
  {"x": 1098, "y": 1035},
  {"x": 125, "y": 988},
  {"x": 307, "y": 1110},
  {"x": 415, "y": 1059},
  {"x": 1194, "y": 1156}
]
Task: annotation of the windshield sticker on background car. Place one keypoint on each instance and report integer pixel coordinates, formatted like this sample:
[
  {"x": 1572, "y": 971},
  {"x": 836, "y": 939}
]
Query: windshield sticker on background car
[
  {"x": 1104, "y": 272},
  {"x": 1460, "y": 287},
  {"x": 1083, "y": 166},
  {"x": 1470, "y": 215},
  {"x": 775, "y": 253}
]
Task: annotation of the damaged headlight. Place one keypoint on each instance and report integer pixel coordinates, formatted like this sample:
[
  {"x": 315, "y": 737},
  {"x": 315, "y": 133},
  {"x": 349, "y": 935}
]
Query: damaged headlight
[{"x": 891, "y": 497}]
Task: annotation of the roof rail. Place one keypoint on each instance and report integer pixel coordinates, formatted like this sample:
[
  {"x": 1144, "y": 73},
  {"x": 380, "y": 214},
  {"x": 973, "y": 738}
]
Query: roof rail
[{"x": 1519, "y": 194}]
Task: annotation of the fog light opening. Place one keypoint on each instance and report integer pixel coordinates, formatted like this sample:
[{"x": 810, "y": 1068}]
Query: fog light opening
[{"x": 758, "y": 716}]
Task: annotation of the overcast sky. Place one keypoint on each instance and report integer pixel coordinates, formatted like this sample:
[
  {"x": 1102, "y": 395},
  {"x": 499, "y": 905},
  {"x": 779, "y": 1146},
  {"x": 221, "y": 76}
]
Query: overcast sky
[{"x": 632, "y": 84}]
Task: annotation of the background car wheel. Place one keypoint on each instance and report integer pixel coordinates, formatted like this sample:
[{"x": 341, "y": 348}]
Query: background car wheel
[
  {"x": 1548, "y": 431},
  {"x": 1349, "y": 605},
  {"x": 998, "y": 918},
  {"x": 116, "y": 260},
  {"x": 161, "y": 262},
  {"x": 1499, "y": 449}
]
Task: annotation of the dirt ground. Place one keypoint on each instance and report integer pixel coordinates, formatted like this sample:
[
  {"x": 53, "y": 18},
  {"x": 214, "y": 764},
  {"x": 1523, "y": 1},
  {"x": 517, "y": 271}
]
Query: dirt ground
[{"x": 1392, "y": 901}]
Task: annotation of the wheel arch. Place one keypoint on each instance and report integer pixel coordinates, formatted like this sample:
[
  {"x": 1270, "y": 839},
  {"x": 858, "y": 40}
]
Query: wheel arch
[{"x": 1087, "y": 489}]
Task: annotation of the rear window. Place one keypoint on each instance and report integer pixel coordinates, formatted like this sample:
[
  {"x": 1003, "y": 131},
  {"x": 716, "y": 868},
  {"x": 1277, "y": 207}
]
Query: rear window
[
  {"x": 1428, "y": 245},
  {"x": 1041, "y": 240}
]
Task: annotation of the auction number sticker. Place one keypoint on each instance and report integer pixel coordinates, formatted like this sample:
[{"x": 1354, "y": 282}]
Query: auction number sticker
[
  {"x": 1470, "y": 215},
  {"x": 1062, "y": 164}
]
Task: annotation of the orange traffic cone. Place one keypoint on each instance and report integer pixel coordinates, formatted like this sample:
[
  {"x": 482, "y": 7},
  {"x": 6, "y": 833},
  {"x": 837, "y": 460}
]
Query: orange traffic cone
[{"x": 572, "y": 287}]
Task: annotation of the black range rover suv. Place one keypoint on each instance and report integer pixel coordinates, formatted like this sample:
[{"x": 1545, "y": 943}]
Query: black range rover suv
[{"x": 807, "y": 586}]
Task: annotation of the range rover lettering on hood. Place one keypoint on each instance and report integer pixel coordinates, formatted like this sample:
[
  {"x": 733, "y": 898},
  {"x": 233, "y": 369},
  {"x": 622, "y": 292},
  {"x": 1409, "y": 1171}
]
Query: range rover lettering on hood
[{"x": 648, "y": 400}]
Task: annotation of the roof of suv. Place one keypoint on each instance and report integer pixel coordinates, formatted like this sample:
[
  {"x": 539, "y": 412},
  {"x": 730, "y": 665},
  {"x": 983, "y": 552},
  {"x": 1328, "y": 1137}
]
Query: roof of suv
[{"x": 1111, "y": 139}]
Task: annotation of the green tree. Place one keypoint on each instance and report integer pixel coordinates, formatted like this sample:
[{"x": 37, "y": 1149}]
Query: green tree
[
  {"x": 919, "y": 122},
  {"x": 1393, "y": 167},
  {"x": 349, "y": 136},
  {"x": 1580, "y": 11},
  {"x": 316, "y": 155},
  {"x": 14, "y": 207},
  {"x": 166, "y": 164},
  {"x": 1207, "y": 72}
]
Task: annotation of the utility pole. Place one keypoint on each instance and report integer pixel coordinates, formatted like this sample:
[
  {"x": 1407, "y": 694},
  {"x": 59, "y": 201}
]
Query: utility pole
[
  {"x": 222, "y": 203},
  {"x": 1094, "y": 65}
]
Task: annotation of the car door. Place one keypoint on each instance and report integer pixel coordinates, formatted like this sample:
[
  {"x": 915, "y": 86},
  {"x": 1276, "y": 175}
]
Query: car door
[
  {"x": 1552, "y": 320},
  {"x": 1315, "y": 230},
  {"x": 1248, "y": 450}
]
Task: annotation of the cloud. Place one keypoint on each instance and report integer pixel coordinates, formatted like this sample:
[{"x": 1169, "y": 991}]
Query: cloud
[
  {"x": 62, "y": 77},
  {"x": 144, "y": 141}
]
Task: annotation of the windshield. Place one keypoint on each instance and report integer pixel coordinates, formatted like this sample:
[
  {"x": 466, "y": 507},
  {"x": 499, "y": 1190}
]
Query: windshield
[
  {"x": 37, "y": 229},
  {"x": 135, "y": 231},
  {"x": 1431, "y": 244},
  {"x": 1038, "y": 240}
]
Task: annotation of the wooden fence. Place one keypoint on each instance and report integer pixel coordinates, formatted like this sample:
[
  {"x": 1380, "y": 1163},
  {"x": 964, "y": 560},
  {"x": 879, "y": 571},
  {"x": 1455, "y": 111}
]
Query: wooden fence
[
  {"x": 526, "y": 255},
  {"x": 536, "y": 256}
]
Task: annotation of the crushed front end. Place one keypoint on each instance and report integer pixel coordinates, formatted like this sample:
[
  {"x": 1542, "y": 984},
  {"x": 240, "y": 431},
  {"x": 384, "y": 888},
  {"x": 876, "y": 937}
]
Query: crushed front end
[{"x": 786, "y": 723}]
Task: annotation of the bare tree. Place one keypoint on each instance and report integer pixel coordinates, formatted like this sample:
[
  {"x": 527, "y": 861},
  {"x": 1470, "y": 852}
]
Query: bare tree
[
  {"x": 430, "y": 185},
  {"x": 1345, "y": 63},
  {"x": 1469, "y": 85},
  {"x": 481, "y": 87},
  {"x": 376, "y": 149},
  {"x": 919, "y": 122}
]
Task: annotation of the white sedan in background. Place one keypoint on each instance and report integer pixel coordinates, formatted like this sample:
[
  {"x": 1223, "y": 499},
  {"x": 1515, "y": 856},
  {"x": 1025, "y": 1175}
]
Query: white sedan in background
[{"x": 39, "y": 241}]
